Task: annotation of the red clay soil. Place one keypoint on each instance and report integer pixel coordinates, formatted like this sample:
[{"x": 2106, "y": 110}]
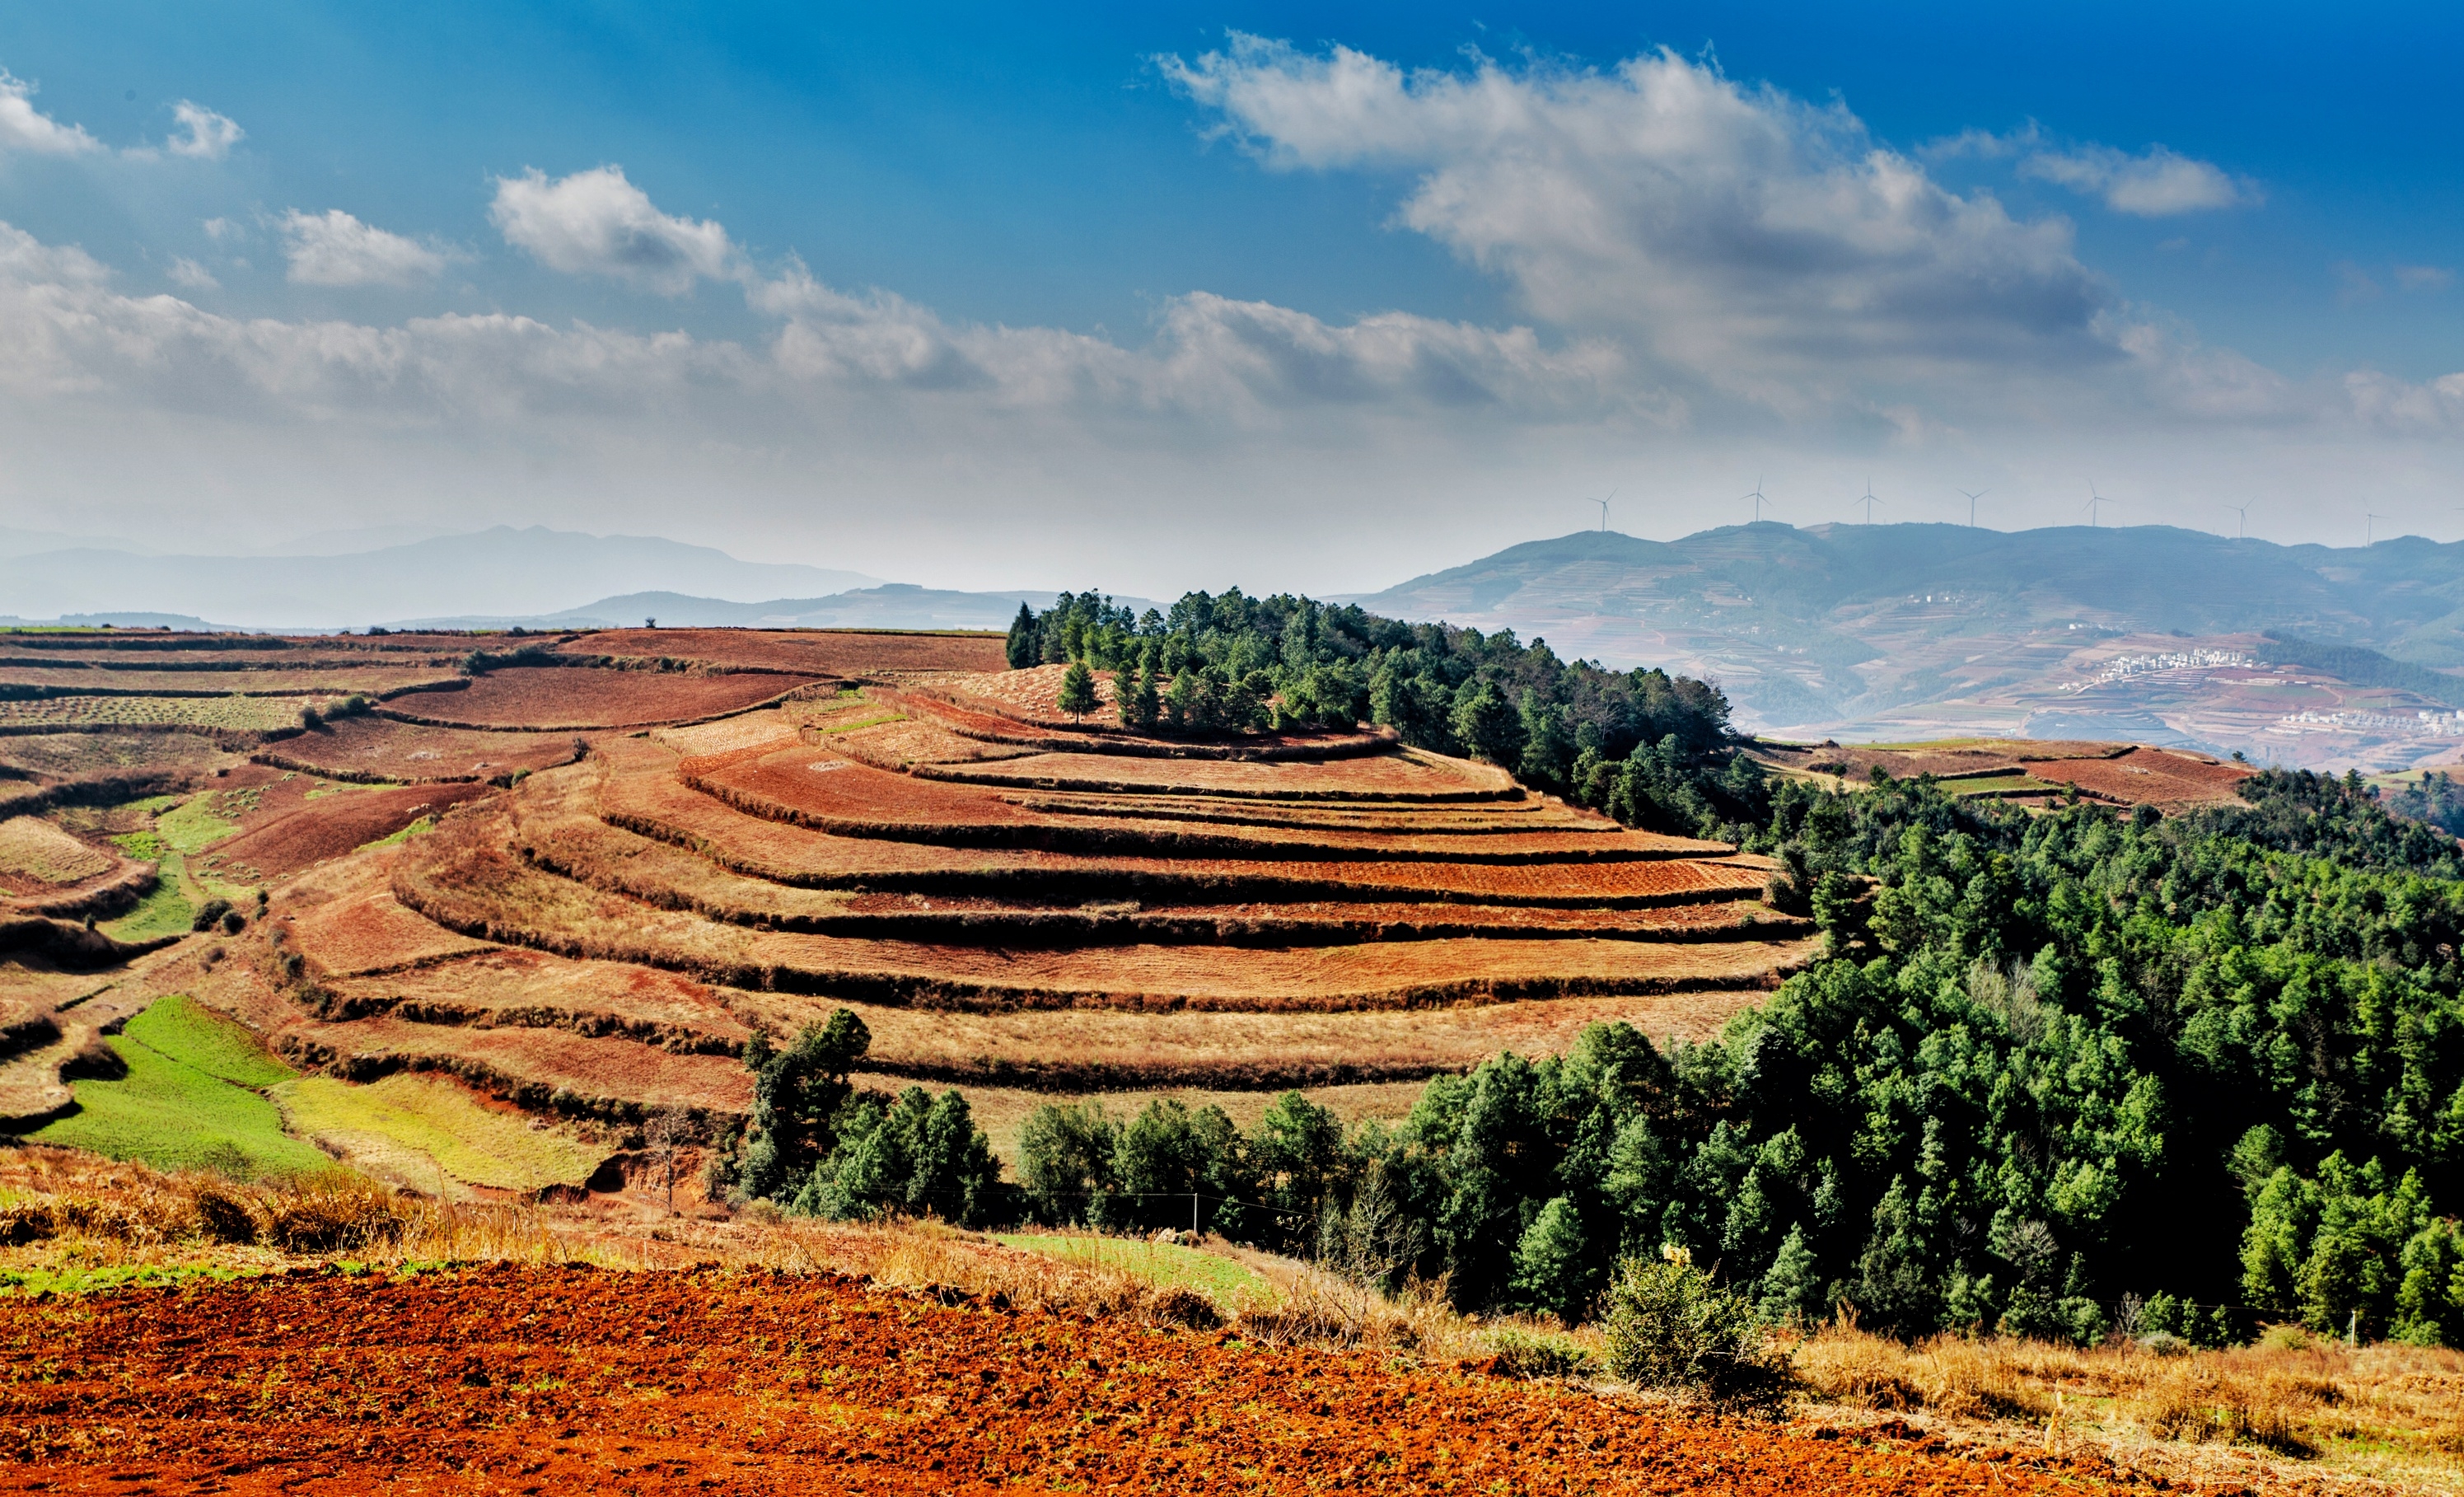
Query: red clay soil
[
  {"x": 532, "y": 1380},
  {"x": 379, "y": 748},
  {"x": 656, "y": 805},
  {"x": 1394, "y": 776},
  {"x": 2157, "y": 777},
  {"x": 816, "y": 788},
  {"x": 335, "y": 823},
  {"x": 562, "y": 698},
  {"x": 838, "y": 652},
  {"x": 276, "y": 677}
]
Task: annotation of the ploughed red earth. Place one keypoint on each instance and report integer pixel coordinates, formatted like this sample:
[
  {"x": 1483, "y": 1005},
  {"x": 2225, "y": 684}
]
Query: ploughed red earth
[{"x": 521, "y": 1379}]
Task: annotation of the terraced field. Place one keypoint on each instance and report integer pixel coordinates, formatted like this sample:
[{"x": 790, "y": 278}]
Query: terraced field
[{"x": 580, "y": 889}]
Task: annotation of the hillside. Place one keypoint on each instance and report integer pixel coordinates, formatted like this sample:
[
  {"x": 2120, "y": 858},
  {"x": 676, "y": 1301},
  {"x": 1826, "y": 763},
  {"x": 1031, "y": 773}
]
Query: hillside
[{"x": 1896, "y": 631}]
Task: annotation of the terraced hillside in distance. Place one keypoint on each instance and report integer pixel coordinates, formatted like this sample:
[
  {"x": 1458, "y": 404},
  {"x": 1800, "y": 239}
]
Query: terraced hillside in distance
[{"x": 575, "y": 875}]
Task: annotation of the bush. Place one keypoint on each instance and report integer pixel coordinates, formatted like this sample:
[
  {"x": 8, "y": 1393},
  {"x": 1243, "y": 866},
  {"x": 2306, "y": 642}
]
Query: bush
[
  {"x": 1671, "y": 1328},
  {"x": 210, "y": 915}
]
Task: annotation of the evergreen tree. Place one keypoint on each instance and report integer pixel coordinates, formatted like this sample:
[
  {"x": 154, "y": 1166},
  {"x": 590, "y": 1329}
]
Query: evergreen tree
[
  {"x": 1078, "y": 690},
  {"x": 1488, "y": 726},
  {"x": 798, "y": 1094},
  {"x": 1145, "y": 708},
  {"x": 1023, "y": 647},
  {"x": 1549, "y": 1270}
]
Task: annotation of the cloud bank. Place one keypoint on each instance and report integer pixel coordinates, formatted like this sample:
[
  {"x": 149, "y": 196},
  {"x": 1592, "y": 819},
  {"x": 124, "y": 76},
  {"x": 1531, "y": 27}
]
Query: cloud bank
[{"x": 1697, "y": 267}]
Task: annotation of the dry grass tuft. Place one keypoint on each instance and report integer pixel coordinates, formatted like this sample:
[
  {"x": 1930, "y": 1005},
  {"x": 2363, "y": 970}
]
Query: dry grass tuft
[{"x": 2287, "y": 1410}]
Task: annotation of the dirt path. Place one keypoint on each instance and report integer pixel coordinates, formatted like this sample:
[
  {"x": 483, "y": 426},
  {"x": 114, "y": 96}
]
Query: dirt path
[{"x": 527, "y": 1380}]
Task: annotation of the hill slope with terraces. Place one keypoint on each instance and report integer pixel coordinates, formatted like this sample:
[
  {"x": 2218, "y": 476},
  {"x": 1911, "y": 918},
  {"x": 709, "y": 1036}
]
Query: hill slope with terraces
[{"x": 579, "y": 873}]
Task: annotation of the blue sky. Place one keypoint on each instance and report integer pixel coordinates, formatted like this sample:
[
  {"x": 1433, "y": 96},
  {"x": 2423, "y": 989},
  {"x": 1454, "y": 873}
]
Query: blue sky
[{"x": 975, "y": 295}]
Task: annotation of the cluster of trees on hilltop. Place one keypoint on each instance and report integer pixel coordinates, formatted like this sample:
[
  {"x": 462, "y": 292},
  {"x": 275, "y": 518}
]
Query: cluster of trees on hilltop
[{"x": 1650, "y": 749}]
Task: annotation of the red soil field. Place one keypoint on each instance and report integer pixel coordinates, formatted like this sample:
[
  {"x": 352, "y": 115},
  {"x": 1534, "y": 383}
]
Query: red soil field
[
  {"x": 277, "y": 677},
  {"x": 821, "y": 790},
  {"x": 2155, "y": 776},
  {"x": 564, "y": 698},
  {"x": 928, "y": 699},
  {"x": 539, "y": 1379},
  {"x": 346, "y": 919},
  {"x": 461, "y": 879},
  {"x": 537, "y": 1065},
  {"x": 1401, "y": 775},
  {"x": 334, "y": 824},
  {"x": 846, "y": 654},
  {"x": 640, "y": 798},
  {"x": 379, "y": 748},
  {"x": 513, "y": 988}
]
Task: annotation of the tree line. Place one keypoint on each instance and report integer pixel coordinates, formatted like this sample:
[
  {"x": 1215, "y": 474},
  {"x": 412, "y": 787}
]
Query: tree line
[{"x": 1650, "y": 749}]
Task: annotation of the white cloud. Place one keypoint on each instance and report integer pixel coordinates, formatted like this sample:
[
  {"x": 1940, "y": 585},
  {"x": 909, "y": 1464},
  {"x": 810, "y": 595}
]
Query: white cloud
[
  {"x": 2424, "y": 277},
  {"x": 25, "y": 128},
  {"x": 185, "y": 272},
  {"x": 2156, "y": 184},
  {"x": 219, "y": 230},
  {"x": 334, "y": 248},
  {"x": 204, "y": 134},
  {"x": 1766, "y": 245},
  {"x": 597, "y": 223}
]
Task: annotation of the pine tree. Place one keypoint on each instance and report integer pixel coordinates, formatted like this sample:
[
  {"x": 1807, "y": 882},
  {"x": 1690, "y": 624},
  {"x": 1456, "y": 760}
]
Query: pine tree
[
  {"x": 1023, "y": 647},
  {"x": 1078, "y": 690},
  {"x": 1551, "y": 1277},
  {"x": 1145, "y": 705}
]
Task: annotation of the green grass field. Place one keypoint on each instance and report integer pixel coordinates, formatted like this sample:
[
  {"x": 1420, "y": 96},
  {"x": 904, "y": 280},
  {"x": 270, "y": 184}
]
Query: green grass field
[
  {"x": 408, "y": 1127},
  {"x": 167, "y": 911},
  {"x": 187, "y": 1104},
  {"x": 1220, "y": 1279},
  {"x": 419, "y": 828},
  {"x": 194, "y": 825}
]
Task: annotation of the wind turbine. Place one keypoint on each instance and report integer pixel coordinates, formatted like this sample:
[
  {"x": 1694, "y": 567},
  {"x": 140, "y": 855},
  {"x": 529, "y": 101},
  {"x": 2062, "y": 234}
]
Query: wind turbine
[
  {"x": 2093, "y": 506},
  {"x": 2370, "y": 528},
  {"x": 1869, "y": 502},
  {"x": 2241, "y": 526},
  {"x": 1757, "y": 497},
  {"x": 1971, "y": 504},
  {"x": 1604, "y": 511}
]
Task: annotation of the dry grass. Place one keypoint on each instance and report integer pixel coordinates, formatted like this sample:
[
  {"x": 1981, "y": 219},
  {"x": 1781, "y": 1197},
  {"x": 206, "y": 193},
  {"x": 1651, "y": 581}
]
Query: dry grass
[{"x": 2291, "y": 1415}]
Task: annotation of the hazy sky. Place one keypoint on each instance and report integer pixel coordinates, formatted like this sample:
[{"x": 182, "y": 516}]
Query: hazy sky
[{"x": 1162, "y": 297}]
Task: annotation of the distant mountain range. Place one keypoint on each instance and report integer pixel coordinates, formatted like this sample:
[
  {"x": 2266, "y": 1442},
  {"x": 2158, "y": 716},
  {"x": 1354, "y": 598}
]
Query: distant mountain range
[
  {"x": 1889, "y": 630},
  {"x": 501, "y": 572},
  {"x": 892, "y": 606}
]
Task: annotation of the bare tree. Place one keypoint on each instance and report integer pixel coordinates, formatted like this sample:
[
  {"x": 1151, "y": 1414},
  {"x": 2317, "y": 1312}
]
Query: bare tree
[{"x": 663, "y": 1133}]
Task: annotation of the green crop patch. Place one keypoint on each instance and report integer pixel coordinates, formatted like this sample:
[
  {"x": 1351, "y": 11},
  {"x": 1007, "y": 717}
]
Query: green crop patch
[
  {"x": 167, "y": 911},
  {"x": 175, "y": 1116},
  {"x": 189, "y": 1032},
  {"x": 196, "y": 824},
  {"x": 419, "y": 828},
  {"x": 409, "y": 1125},
  {"x": 1164, "y": 1265}
]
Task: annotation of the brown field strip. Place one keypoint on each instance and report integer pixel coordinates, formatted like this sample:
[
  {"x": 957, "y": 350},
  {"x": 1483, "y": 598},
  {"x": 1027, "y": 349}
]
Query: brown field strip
[
  {"x": 463, "y": 876},
  {"x": 1076, "y": 1050},
  {"x": 501, "y": 988},
  {"x": 357, "y": 680},
  {"x": 820, "y": 790},
  {"x": 608, "y": 858},
  {"x": 384, "y": 749},
  {"x": 2147, "y": 775},
  {"x": 928, "y": 699},
  {"x": 584, "y": 698},
  {"x": 832, "y": 652},
  {"x": 639, "y": 798},
  {"x": 1398, "y": 776},
  {"x": 541, "y": 1068}
]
